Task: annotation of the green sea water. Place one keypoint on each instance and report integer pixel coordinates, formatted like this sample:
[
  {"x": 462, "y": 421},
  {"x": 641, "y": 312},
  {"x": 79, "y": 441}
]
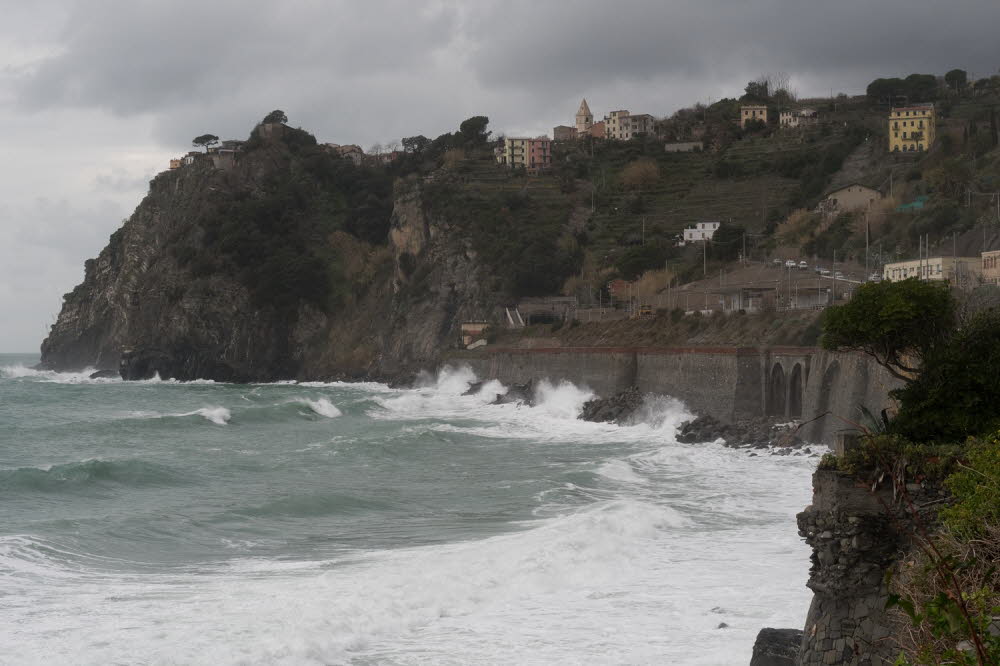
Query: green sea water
[{"x": 161, "y": 522}]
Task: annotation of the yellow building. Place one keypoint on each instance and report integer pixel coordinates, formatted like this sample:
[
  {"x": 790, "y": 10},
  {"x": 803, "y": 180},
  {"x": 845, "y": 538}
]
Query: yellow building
[
  {"x": 750, "y": 112},
  {"x": 911, "y": 128}
]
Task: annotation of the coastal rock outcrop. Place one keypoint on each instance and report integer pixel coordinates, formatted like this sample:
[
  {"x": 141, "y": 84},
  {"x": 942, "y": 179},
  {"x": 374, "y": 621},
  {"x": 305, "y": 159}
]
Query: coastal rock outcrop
[
  {"x": 756, "y": 433},
  {"x": 776, "y": 647},
  {"x": 618, "y": 408},
  {"x": 266, "y": 270},
  {"x": 858, "y": 532},
  {"x": 518, "y": 393}
]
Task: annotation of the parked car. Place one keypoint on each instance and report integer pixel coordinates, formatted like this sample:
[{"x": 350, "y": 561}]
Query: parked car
[
  {"x": 875, "y": 277},
  {"x": 790, "y": 263},
  {"x": 823, "y": 271},
  {"x": 838, "y": 275},
  {"x": 776, "y": 262},
  {"x": 803, "y": 266}
]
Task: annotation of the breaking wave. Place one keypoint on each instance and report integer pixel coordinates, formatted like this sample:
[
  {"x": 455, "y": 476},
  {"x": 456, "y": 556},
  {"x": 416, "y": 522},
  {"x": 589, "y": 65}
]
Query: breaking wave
[
  {"x": 51, "y": 376},
  {"x": 217, "y": 415},
  {"x": 321, "y": 406}
]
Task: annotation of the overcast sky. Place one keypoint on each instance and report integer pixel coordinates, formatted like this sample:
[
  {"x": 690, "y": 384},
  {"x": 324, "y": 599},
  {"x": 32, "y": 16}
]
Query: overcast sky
[{"x": 96, "y": 96}]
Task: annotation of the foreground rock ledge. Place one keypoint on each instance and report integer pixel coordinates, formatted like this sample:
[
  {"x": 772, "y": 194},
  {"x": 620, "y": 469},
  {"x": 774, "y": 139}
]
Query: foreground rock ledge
[{"x": 776, "y": 647}]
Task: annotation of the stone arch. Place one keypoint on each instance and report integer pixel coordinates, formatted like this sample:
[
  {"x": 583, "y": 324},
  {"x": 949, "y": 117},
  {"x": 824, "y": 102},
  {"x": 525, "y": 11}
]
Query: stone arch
[
  {"x": 795, "y": 392},
  {"x": 775, "y": 402}
]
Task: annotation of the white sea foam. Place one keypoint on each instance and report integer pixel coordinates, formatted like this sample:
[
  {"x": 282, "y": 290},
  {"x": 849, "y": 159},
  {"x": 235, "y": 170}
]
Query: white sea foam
[
  {"x": 217, "y": 415},
  {"x": 622, "y": 581},
  {"x": 628, "y": 563},
  {"x": 51, "y": 376},
  {"x": 321, "y": 406},
  {"x": 563, "y": 400}
]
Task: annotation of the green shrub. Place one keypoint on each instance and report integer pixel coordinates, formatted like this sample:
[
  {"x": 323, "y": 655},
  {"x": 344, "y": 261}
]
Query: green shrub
[{"x": 975, "y": 486}]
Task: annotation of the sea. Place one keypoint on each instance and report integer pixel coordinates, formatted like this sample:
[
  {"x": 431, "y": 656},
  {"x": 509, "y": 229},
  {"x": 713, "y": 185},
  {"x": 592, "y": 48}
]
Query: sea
[{"x": 161, "y": 522}]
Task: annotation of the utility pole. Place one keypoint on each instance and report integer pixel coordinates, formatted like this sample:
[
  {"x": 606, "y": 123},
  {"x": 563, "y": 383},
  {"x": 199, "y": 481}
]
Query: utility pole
[
  {"x": 866, "y": 247},
  {"x": 704, "y": 257}
]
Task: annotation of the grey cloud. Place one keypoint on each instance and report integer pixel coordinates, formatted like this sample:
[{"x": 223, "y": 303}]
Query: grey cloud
[
  {"x": 149, "y": 57},
  {"x": 566, "y": 45}
]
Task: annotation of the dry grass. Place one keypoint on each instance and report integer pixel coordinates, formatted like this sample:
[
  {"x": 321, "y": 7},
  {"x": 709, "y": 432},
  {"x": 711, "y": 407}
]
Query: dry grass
[{"x": 916, "y": 579}]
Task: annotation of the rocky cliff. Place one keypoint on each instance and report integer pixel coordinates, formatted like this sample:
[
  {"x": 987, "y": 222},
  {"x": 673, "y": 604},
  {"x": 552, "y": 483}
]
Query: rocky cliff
[{"x": 288, "y": 263}]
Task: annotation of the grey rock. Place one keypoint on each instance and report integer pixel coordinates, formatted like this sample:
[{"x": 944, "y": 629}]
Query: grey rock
[
  {"x": 776, "y": 647},
  {"x": 616, "y": 409}
]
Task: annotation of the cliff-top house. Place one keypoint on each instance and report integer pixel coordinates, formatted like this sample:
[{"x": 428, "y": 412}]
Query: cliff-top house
[
  {"x": 750, "y": 112},
  {"x": 621, "y": 125},
  {"x": 912, "y": 128}
]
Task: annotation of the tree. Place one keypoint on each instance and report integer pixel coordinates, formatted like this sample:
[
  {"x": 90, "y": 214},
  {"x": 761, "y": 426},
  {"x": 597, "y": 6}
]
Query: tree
[
  {"x": 951, "y": 178},
  {"x": 921, "y": 87},
  {"x": 205, "y": 141},
  {"x": 415, "y": 144},
  {"x": 727, "y": 242},
  {"x": 756, "y": 91},
  {"x": 276, "y": 116},
  {"x": 957, "y": 393},
  {"x": 899, "y": 324},
  {"x": 956, "y": 79},
  {"x": 473, "y": 130}
]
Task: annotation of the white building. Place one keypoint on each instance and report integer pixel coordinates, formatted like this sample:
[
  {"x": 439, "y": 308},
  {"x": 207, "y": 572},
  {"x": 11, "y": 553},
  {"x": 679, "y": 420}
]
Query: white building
[
  {"x": 702, "y": 231},
  {"x": 798, "y": 118},
  {"x": 963, "y": 271}
]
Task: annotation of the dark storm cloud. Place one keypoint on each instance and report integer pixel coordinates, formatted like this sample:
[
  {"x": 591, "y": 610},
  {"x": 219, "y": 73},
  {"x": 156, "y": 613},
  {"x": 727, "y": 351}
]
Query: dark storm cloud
[
  {"x": 149, "y": 57},
  {"x": 365, "y": 62},
  {"x": 559, "y": 46}
]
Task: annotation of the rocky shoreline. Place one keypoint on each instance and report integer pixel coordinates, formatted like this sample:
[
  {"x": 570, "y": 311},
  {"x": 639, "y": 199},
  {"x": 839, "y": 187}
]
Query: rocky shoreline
[{"x": 754, "y": 433}]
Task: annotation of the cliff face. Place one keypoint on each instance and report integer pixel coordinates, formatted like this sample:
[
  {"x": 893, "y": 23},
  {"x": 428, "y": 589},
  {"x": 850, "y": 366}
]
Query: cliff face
[
  {"x": 255, "y": 273},
  {"x": 858, "y": 535}
]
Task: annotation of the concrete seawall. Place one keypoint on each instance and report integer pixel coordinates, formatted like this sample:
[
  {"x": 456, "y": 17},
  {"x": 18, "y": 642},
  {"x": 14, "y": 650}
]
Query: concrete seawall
[{"x": 729, "y": 383}]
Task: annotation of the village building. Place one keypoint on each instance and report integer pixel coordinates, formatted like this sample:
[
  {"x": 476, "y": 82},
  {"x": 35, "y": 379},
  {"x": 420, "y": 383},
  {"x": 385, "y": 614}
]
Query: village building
[
  {"x": 622, "y": 125},
  {"x": 850, "y": 198},
  {"x": 351, "y": 152},
  {"x": 584, "y": 119},
  {"x": 597, "y": 130},
  {"x": 959, "y": 271},
  {"x": 991, "y": 267},
  {"x": 797, "y": 118},
  {"x": 643, "y": 123},
  {"x": 473, "y": 331},
  {"x": 176, "y": 162},
  {"x": 912, "y": 128},
  {"x": 564, "y": 133},
  {"x": 531, "y": 154},
  {"x": 191, "y": 157},
  {"x": 750, "y": 112},
  {"x": 702, "y": 231},
  {"x": 683, "y": 147}
]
